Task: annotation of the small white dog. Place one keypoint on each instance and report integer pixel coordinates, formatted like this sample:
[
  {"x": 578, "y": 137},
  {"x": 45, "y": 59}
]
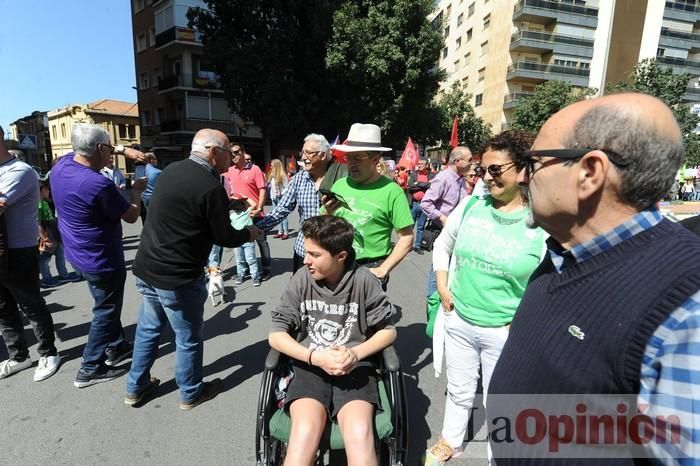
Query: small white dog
[{"x": 215, "y": 288}]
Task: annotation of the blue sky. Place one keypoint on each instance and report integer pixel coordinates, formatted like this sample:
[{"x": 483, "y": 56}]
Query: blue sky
[{"x": 58, "y": 52}]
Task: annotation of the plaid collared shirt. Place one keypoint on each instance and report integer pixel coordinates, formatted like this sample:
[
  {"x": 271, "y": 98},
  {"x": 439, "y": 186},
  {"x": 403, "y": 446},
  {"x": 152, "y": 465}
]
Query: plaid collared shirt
[
  {"x": 301, "y": 192},
  {"x": 670, "y": 373}
]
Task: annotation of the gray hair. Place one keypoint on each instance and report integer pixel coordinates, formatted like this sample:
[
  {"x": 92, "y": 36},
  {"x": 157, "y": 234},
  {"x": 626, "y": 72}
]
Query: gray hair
[
  {"x": 85, "y": 137},
  {"x": 323, "y": 143},
  {"x": 17, "y": 154},
  {"x": 459, "y": 152},
  {"x": 654, "y": 157},
  {"x": 205, "y": 138}
]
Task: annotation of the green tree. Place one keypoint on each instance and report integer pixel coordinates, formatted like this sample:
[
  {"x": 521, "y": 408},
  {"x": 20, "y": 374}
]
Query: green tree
[
  {"x": 651, "y": 78},
  {"x": 549, "y": 98},
  {"x": 381, "y": 60},
  {"x": 472, "y": 130}
]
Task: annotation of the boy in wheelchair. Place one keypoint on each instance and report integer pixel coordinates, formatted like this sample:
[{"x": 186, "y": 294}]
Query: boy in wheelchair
[{"x": 333, "y": 316}]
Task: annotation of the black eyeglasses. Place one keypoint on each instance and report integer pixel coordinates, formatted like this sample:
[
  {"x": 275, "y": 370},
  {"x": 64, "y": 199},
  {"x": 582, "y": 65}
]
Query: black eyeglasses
[
  {"x": 494, "y": 170},
  {"x": 531, "y": 157}
]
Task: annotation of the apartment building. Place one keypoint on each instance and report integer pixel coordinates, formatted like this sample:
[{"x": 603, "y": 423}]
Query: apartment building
[
  {"x": 37, "y": 147},
  {"x": 119, "y": 119},
  {"x": 499, "y": 50},
  {"x": 178, "y": 90}
]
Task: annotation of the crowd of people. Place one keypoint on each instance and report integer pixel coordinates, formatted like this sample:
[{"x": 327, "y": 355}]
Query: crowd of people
[{"x": 555, "y": 272}]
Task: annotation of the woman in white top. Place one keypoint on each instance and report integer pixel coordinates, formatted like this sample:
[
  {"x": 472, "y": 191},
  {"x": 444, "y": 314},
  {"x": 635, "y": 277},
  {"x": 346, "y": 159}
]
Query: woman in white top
[{"x": 278, "y": 180}]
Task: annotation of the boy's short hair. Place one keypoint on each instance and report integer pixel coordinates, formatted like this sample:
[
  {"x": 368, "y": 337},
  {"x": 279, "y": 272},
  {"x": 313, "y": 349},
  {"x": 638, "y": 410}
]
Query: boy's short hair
[{"x": 334, "y": 234}]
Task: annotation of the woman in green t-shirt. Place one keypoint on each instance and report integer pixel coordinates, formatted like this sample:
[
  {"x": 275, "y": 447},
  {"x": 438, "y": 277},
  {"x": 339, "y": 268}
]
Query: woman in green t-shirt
[{"x": 482, "y": 259}]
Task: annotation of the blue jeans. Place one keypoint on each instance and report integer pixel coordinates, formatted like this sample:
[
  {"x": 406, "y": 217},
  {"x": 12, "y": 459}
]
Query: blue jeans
[
  {"x": 246, "y": 260},
  {"x": 432, "y": 282},
  {"x": 284, "y": 224},
  {"x": 419, "y": 219},
  {"x": 107, "y": 289},
  {"x": 215, "y": 256},
  {"x": 45, "y": 261},
  {"x": 183, "y": 308}
]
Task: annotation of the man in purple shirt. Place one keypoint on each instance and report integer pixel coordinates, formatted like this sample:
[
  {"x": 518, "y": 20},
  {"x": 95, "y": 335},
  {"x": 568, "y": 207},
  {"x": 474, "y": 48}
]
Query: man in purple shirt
[
  {"x": 445, "y": 191},
  {"x": 90, "y": 210}
]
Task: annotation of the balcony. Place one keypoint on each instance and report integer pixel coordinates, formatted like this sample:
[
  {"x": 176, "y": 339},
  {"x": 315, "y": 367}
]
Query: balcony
[
  {"x": 541, "y": 42},
  {"x": 188, "y": 81},
  {"x": 192, "y": 126},
  {"x": 512, "y": 99},
  {"x": 544, "y": 12},
  {"x": 540, "y": 72},
  {"x": 178, "y": 35},
  {"x": 680, "y": 65},
  {"x": 692, "y": 94},
  {"x": 679, "y": 39},
  {"x": 681, "y": 11}
]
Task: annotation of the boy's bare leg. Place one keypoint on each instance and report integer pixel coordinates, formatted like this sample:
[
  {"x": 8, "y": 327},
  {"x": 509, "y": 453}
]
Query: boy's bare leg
[
  {"x": 355, "y": 422},
  {"x": 308, "y": 420}
]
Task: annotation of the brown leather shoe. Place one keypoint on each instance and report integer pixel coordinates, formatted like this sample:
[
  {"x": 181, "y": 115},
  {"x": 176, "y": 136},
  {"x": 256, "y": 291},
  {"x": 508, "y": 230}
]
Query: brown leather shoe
[{"x": 210, "y": 390}]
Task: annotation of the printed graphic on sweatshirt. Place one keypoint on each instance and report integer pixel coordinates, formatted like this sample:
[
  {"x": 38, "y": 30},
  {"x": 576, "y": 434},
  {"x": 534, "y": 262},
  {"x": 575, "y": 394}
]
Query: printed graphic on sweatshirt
[{"x": 329, "y": 324}]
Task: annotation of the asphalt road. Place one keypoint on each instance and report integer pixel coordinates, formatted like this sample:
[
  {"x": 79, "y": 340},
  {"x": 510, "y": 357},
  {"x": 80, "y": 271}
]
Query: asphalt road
[{"x": 52, "y": 422}]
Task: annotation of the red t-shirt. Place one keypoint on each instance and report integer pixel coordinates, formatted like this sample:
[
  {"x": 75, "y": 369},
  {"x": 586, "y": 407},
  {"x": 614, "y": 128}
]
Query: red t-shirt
[
  {"x": 246, "y": 182},
  {"x": 420, "y": 178}
]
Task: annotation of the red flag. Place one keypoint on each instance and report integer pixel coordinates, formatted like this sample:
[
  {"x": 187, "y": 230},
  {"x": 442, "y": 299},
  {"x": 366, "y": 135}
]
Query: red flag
[
  {"x": 292, "y": 167},
  {"x": 409, "y": 158},
  {"x": 339, "y": 155},
  {"x": 454, "y": 138}
]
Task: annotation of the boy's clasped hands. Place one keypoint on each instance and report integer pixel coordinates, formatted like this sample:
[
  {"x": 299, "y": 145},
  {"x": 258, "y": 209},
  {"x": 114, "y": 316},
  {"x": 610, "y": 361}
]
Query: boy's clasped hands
[{"x": 336, "y": 360}]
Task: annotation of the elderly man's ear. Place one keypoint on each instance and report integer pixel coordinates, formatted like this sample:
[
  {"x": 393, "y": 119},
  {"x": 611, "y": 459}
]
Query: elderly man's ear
[{"x": 593, "y": 174}]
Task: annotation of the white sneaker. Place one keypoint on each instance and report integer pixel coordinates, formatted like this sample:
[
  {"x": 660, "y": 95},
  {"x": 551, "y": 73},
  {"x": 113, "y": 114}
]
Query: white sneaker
[
  {"x": 48, "y": 365},
  {"x": 10, "y": 366}
]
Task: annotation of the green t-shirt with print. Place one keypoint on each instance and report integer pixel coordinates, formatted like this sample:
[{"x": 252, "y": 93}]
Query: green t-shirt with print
[
  {"x": 495, "y": 254},
  {"x": 377, "y": 209},
  {"x": 45, "y": 214}
]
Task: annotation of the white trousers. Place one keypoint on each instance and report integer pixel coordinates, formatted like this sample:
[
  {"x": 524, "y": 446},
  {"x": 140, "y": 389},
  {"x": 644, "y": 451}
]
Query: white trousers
[{"x": 467, "y": 346}]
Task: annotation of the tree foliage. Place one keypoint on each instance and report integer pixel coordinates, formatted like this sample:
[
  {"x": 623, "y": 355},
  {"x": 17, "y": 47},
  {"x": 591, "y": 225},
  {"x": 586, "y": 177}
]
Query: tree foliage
[
  {"x": 661, "y": 82},
  {"x": 381, "y": 59},
  {"x": 549, "y": 98},
  {"x": 295, "y": 66},
  {"x": 472, "y": 130}
]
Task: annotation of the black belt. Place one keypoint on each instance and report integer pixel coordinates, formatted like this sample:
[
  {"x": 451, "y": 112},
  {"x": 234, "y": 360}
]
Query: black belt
[{"x": 373, "y": 259}]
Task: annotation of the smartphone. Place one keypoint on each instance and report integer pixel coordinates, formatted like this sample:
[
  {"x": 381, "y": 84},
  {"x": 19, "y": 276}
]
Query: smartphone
[
  {"x": 331, "y": 195},
  {"x": 140, "y": 171}
]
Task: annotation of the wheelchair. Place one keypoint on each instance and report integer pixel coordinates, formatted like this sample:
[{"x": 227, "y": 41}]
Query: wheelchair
[{"x": 273, "y": 425}]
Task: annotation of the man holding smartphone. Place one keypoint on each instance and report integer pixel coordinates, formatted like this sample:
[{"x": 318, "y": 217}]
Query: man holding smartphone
[{"x": 377, "y": 205}]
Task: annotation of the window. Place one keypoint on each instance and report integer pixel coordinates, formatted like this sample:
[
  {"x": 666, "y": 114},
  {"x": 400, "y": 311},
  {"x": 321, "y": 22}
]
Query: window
[
  {"x": 143, "y": 81},
  {"x": 128, "y": 131},
  {"x": 469, "y": 34},
  {"x": 146, "y": 118},
  {"x": 122, "y": 132},
  {"x": 460, "y": 18},
  {"x": 478, "y": 100},
  {"x": 456, "y": 63},
  {"x": 465, "y": 82},
  {"x": 484, "y": 48},
  {"x": 487, "y": 21},
  {"x": 467, "y": 58},
  {"x": 53, "y": 131},
  {"x": 159, "y": 115},
  {"x": 444, "y": 52},
  {"x": 459, "y": 42},
  {"x": 470, "y": 10},
  {"x": 139, "y": 5},
  {"x": 63, "y": 130},
  {"x": 448, "y": 12},
  {"x": 482, "y": 74},
  {"x": 660, "y": 52},
  {"x": 152, "y": 36},
  {"x": 447, "y": 31},
  {"x": 141, "y": 44}
]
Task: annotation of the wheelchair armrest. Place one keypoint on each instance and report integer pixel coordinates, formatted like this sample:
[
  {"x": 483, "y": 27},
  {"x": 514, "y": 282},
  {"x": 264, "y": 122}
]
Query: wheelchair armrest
[
  {"x": 272, "y": 360},
  {"x": 391, "y": 359}
]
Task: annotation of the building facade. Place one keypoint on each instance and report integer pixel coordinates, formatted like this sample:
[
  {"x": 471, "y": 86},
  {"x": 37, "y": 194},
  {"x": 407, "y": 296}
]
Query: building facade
[
  {"x": 36, "y": 148},
  {"x": 500, "y": 50},
  {"x": 178, "y": 90},
  {"x": 119, "y": 119}
]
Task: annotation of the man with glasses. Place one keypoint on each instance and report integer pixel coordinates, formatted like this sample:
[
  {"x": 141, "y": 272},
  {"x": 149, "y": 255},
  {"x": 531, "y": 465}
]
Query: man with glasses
[
  {"x": 90, "y": 210},
  {"x": 302, "y": 191},
  {"x": 247, "y": 180},
  {"x": 615, "y": 307},
  {"x": 188, "y": 213},
  {"x": 376, "y": 206}
]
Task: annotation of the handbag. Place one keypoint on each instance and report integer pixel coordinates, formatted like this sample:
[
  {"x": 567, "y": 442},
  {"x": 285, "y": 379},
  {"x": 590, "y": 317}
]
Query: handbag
[{"x": 430, "y": 234}]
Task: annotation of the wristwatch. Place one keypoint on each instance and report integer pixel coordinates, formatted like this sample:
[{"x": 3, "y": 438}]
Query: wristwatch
[{"x": 119, "y": 149}]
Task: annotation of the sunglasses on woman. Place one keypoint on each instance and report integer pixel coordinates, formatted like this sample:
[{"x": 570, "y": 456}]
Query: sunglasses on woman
[{"x": 495, "y": 170}]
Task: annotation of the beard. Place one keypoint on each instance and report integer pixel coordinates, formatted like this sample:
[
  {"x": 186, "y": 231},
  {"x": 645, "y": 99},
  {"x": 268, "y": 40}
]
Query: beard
[{"x": 530, "y": 221}]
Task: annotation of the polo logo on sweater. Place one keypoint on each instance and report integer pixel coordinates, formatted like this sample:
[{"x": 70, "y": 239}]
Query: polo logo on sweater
[{"x": 575, "y": 330}]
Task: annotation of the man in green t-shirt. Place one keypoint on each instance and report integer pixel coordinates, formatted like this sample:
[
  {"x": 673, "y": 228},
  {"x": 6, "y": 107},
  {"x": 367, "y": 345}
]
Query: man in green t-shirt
[{"x": 376, "y": 205}]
